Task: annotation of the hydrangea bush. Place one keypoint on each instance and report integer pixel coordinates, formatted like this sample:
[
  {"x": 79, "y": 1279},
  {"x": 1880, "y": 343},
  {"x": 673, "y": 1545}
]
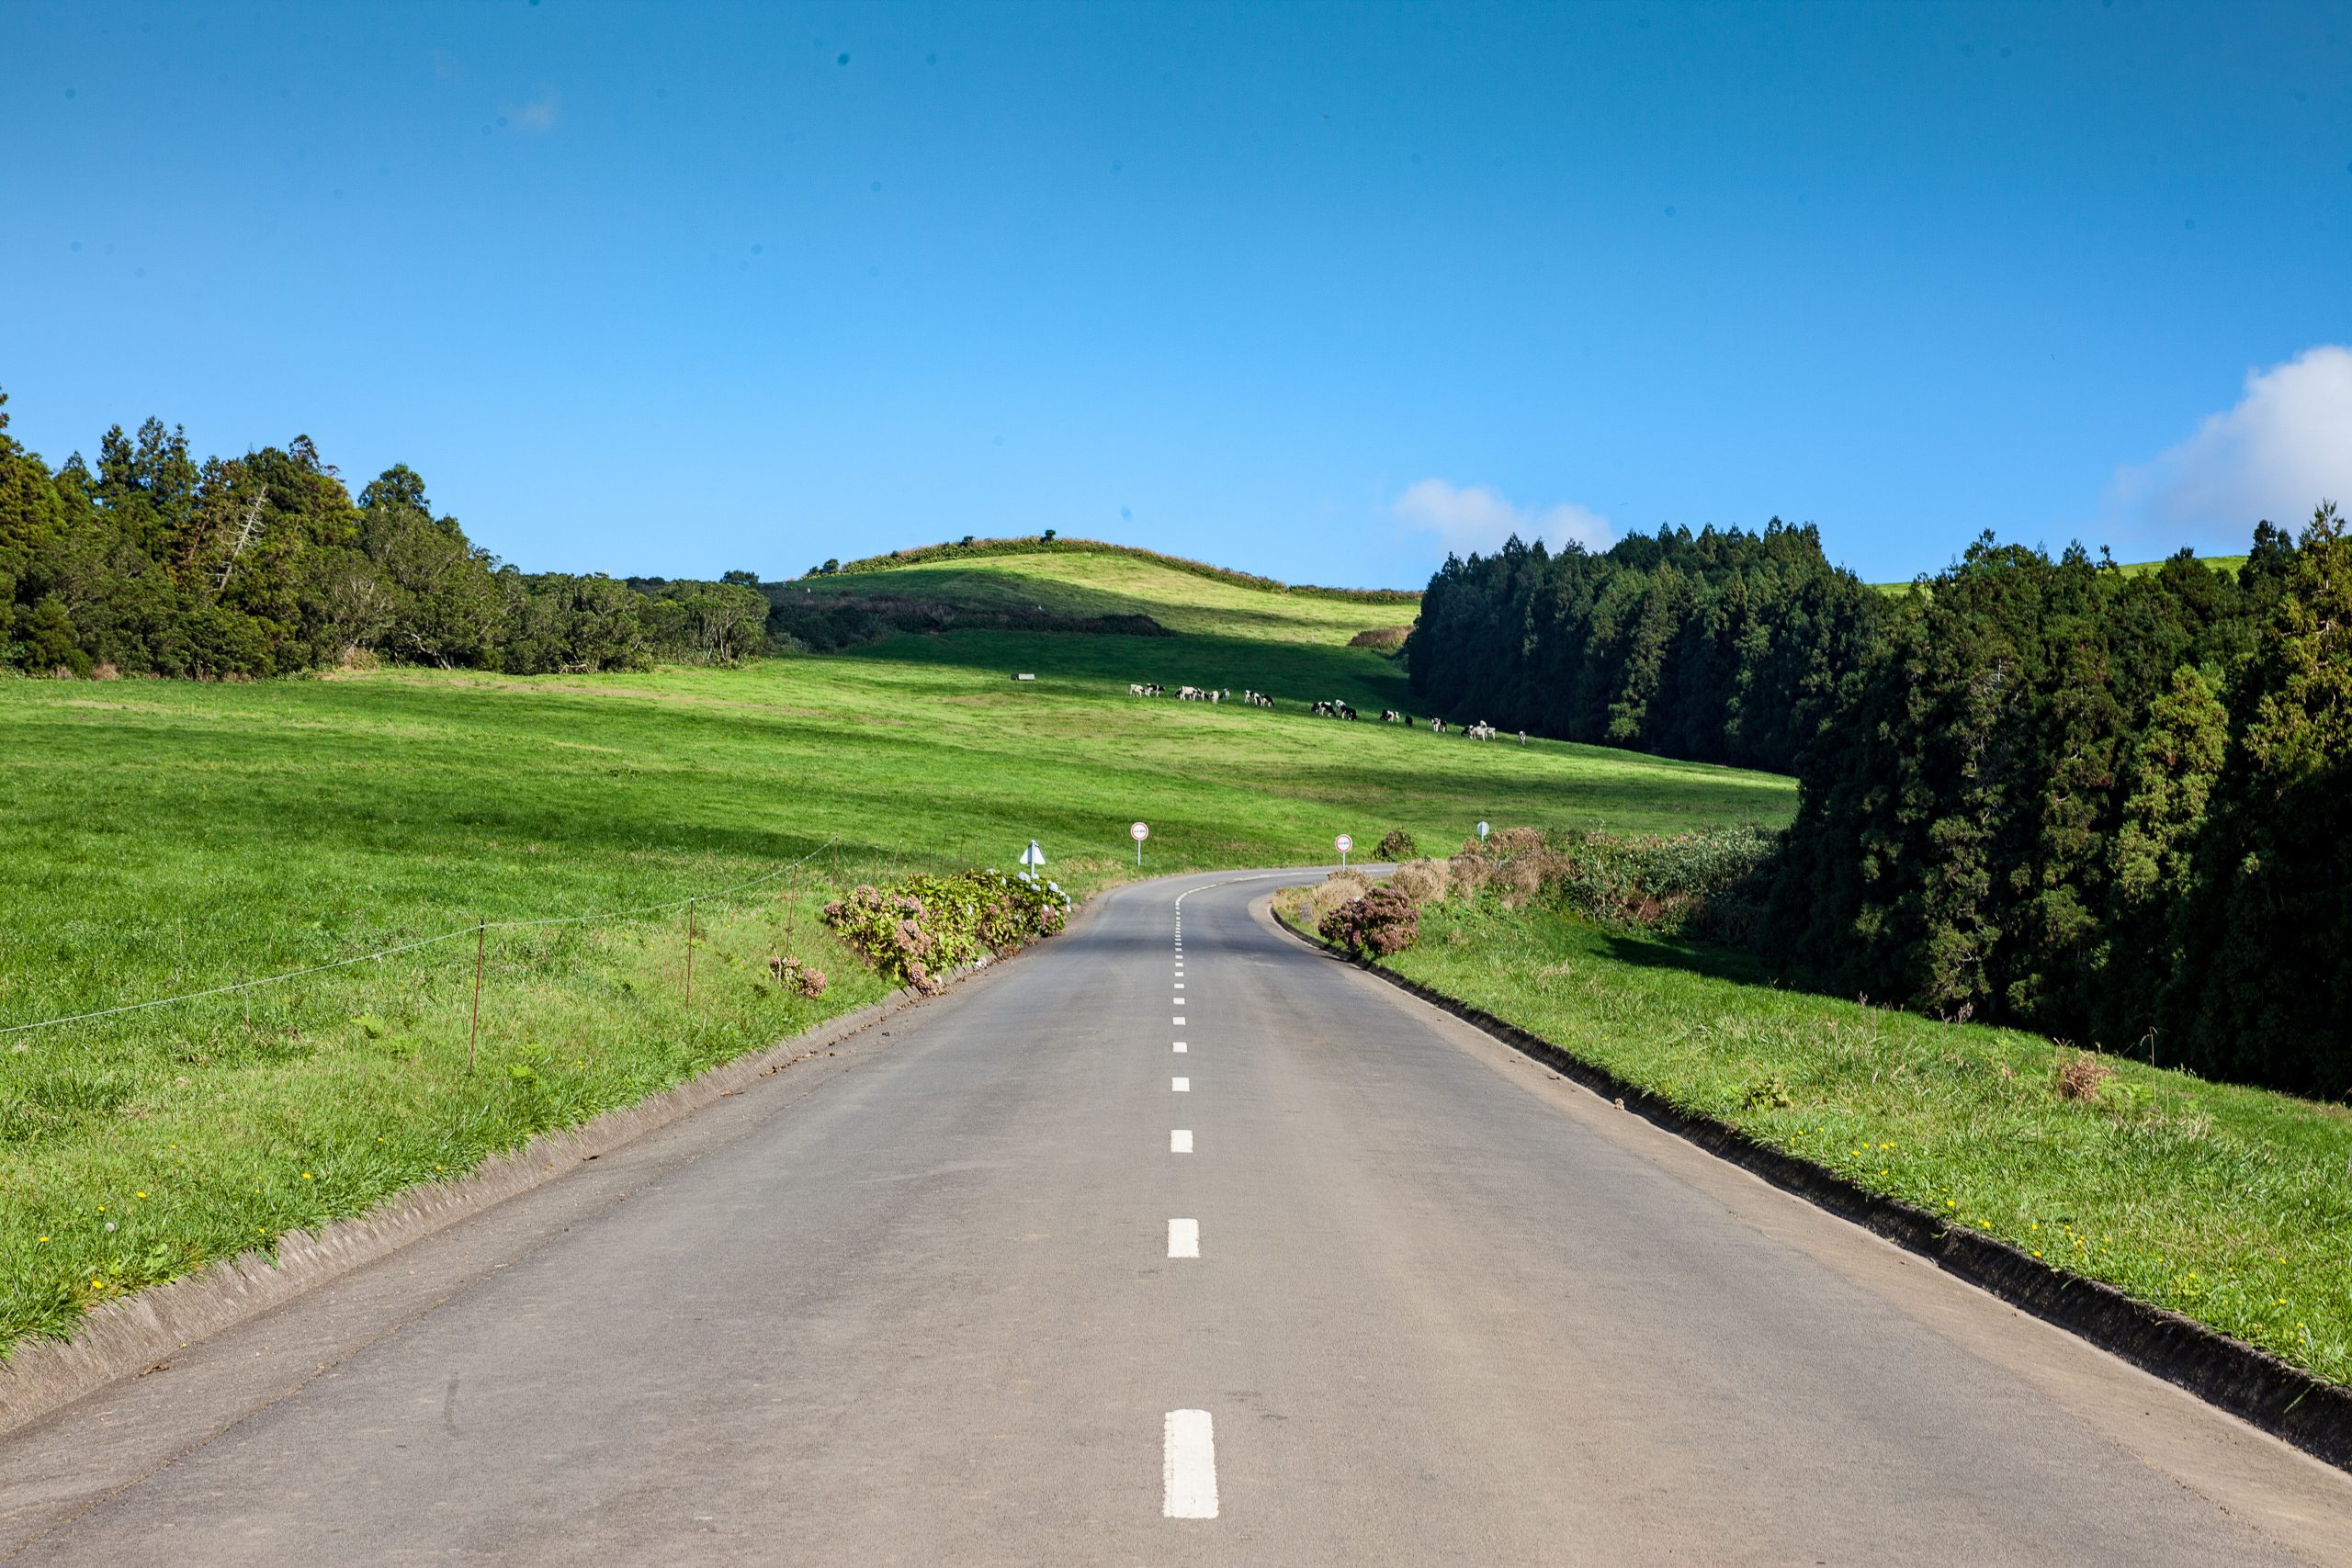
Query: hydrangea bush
[
  {"x": 919, "y": 930},
  {"x": 1380, "y": 922}
]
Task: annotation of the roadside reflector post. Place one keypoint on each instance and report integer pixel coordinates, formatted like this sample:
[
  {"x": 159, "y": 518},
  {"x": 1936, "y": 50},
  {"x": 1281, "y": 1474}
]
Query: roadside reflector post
[
  {"x": 690, "y": 952},
  {"x": 474, "y": 1039}
]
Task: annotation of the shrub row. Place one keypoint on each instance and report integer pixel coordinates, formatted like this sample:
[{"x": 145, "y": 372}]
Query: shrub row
[
  {"x": 1699, "y": 884},
  {"x": 919, "y": 931}
]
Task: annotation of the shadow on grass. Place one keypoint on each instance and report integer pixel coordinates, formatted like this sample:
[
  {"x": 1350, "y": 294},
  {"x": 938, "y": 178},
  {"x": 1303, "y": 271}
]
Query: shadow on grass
[{"x": 1709, "y": 960}]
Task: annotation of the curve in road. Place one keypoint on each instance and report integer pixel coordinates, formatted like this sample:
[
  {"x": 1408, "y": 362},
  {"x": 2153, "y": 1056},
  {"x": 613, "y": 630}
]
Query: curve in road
[{"x": 1176, "y": 1241}]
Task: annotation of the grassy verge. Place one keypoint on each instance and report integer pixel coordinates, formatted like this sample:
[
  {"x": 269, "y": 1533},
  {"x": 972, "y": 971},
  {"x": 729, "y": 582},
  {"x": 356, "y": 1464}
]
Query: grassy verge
[
  {"x": 159, "y": 837},
  {"x": 2228, "y": 1205}
]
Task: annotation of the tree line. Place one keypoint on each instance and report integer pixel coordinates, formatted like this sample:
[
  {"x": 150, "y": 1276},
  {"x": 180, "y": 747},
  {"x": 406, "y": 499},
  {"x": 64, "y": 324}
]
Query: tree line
[
  {"x": 150, "y": 562},
  {"x": 1724, "y": 646},
  {"x": 2112, "y": 806}
]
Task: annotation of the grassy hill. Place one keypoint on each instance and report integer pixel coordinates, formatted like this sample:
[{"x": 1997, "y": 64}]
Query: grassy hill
[
  {"x": 167, "y": 838},
  {"x": 1227, "y": 630},
  {"x": 2229, "y": 564}
]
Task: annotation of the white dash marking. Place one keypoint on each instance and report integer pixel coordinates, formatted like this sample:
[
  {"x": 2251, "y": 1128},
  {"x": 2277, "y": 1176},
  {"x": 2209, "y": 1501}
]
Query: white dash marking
[
  {"x": 1179, "y": 1086},
  {"x": 1179, "y": 1141},
  {"x": 1180, "y": 1049},
  {"x": 1188, "y": 1466},
  {"x": 1183, "y": 1239},
  {"x": 1179, "y": 985},
  {"x": 1177, "y": 1021}
]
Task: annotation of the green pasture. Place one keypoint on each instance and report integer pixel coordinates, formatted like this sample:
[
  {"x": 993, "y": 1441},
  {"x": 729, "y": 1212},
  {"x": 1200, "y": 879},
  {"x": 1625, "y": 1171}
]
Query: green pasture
[
  {"x": 1117, "y": 584},
  {"x": 2229, "y": 565}
]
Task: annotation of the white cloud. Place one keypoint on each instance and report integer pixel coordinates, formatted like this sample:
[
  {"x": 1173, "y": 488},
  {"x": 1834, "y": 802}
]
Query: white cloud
[
  {"x": 2285, "y": 447},
  {"x": 1473, "y": 517},
  {"x": 539, "y": 114}
]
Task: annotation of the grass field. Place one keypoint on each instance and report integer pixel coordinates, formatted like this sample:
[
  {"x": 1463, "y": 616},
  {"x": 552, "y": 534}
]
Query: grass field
[
  {"x": 2229, "y": 1205},
  {"x": 2230, "y": 564},
  {"x": 1116, "y": 584},
  {"x": 166, "y": 838}
]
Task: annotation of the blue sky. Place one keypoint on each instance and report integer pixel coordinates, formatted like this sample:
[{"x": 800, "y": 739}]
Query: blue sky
[{"x": 1318, "y": 292}]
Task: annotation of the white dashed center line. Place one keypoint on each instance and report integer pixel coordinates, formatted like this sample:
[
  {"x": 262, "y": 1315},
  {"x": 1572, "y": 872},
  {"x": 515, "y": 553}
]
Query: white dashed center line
[
  {"x": 1180, "y": 1049},
  {"x": 1177, "y": 1022},
  {"x": 1183, "y": 1239},
  {"x": 1179, "y": 1141},
  {"x": 1179, "y": 1086},
  {"x": 1188, "y": 1466}
]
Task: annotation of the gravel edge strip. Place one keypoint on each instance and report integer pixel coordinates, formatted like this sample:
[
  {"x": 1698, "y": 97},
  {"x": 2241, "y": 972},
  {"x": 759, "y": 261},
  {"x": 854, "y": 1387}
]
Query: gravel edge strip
[{"x": 2250, "y": 1384}]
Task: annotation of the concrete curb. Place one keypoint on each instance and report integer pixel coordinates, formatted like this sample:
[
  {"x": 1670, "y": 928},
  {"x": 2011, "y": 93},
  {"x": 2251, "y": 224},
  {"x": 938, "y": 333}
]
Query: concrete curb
[
  {"x": 2250, "y": 1384},
  {"x": 124, "y": 1336}
]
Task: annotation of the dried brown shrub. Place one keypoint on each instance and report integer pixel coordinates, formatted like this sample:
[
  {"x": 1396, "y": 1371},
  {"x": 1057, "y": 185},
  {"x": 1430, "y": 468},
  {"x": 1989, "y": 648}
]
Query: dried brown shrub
[
  {"x": 1520, "y": 879},
  {"x": 2080, "y": 1074},
  {"x": 1421, "y": 880}
]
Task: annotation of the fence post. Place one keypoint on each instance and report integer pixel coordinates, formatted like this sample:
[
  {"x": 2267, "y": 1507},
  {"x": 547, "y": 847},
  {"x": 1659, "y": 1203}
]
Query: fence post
[
  {"x": 474, "y": 1039},
  {"x": 690, "y": 952},
  {"x": 791, "y": 905}
]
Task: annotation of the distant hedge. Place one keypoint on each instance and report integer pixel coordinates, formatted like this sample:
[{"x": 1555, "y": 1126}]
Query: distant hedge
[{"x": 1033, "y": 547}]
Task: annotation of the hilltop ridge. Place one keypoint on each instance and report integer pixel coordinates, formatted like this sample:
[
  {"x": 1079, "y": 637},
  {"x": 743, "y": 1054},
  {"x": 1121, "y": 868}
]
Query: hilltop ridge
[{"x": 1051, "y": 543}]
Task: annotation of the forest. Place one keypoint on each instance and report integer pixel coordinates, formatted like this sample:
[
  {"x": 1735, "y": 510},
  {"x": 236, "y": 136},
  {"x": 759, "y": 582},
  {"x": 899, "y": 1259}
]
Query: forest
[
  {"x": 1719, "y": 647},
  {"x": 153, "y": 563},
  {"x": 2109, "y": 804}
]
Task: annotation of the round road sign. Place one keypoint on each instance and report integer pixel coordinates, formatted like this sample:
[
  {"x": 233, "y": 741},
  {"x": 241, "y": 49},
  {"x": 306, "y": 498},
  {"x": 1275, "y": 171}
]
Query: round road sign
[
  {"x": 1344, "y": 843},
  {"x": 1138, "y": 832}
]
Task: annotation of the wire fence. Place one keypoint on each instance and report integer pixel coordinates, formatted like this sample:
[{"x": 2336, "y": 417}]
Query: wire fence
[{"x": 476, "y": 929}]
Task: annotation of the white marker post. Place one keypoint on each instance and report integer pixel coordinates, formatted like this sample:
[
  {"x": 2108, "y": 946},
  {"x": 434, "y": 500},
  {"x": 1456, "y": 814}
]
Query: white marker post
[
  {"x": 1345, "y": 843},
  {"x": 1482, "y": 832},
  {"x": 1138, "y": 833},
  {"x": 1031, "y": 859}
]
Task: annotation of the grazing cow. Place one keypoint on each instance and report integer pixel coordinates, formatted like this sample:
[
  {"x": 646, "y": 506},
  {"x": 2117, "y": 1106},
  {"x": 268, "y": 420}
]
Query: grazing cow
[
  {"x": 1343, "y": 710},
  {"x": 1523, "y": 738},
  {"x": 1321, "y": 710},
  {"x": 1134, "y": 688},
  {"x": 1437, "y": 726}
]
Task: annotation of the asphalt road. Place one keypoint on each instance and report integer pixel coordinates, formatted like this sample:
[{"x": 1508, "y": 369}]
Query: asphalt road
[{"x": 1335, "y": 1281}]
